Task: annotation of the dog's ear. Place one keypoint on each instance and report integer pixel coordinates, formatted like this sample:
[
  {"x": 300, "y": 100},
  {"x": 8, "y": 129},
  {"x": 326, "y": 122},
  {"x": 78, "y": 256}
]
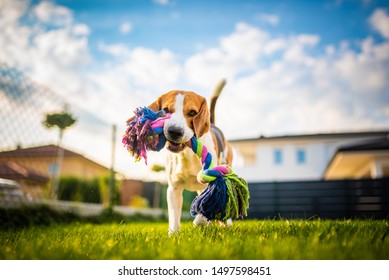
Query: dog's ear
[
  {"x": 201, "y": 122},
  {"x": 155, "y": 106}
]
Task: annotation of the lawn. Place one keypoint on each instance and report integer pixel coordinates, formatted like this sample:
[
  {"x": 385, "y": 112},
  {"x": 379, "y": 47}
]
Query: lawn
[{"x": 270, "y": 239}]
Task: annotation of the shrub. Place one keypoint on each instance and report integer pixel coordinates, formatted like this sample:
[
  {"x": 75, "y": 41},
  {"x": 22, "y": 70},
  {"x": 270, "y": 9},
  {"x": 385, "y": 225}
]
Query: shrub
[
  {"x": 29, "y": 216},
  {"x": 77, "y": 189}
]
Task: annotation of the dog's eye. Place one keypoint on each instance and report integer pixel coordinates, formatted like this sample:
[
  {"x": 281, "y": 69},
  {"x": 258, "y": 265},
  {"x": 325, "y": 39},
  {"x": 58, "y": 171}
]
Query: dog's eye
[
  {"x": 192, "y": 113},
  {"x": 166, "y": 109}
]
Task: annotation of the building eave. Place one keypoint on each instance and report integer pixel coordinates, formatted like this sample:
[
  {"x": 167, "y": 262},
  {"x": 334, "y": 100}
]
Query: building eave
[
  {"x": 354, "y": 156},
  {"x": 378, "y": 133}
]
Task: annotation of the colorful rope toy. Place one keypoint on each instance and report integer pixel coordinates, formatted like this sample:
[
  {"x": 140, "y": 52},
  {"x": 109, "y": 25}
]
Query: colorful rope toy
[{"x": 226, "y": 195}]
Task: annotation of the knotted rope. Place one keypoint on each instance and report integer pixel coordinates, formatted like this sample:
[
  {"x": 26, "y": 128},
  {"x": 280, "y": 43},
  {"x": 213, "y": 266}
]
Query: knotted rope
[{"x": 226, "y": 195}]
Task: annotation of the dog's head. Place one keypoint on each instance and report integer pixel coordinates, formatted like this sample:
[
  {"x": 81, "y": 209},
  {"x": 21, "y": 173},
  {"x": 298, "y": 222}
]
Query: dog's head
[{"x": 189, "y": 117}]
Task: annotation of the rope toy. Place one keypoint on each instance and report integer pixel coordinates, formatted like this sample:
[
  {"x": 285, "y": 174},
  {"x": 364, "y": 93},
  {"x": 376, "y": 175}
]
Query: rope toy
[{"x": 226, "y": 195}]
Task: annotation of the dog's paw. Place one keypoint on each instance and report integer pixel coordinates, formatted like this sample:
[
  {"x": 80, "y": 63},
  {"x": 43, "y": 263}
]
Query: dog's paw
[
  {"x": 227, "y": 223},
  {"x": 172, "y": 232},
  {"x": 200, "y": 220}
]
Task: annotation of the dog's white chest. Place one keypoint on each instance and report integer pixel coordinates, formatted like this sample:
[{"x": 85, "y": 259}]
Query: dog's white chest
[{"x": 182, "y": 169}]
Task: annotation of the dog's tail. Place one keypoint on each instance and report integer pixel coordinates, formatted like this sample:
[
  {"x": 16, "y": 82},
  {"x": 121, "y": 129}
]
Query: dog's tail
[{"x": 214, "y": 97}]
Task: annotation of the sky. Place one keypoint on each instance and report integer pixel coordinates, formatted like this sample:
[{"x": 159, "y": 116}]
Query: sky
[{"x": 292, "y": 67}]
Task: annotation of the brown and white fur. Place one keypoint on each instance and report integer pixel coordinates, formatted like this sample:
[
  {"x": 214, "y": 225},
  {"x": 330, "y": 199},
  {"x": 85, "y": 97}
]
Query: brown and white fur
[{"x": 190, "y": 116}]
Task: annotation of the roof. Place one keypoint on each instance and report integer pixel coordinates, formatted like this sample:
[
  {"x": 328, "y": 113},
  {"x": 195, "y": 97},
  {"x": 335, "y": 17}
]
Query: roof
[
  {"x": 47, "y": 151},
  {"x": 40, "y": 151},
  {"x": 14, "y": 171},
  {"x": 382, "y": 134},
  {"x": 370, "y": 145},
  {"x": 347, "y": 159}
]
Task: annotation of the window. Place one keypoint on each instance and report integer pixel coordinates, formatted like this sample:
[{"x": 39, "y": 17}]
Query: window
[
  {"x": 52, "y": 168},
  {"x": 301, "y": 156},
  {"x": 277, "y": 156}
]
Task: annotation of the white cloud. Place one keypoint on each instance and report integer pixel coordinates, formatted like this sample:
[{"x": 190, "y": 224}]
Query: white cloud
[
  {"x": 296, "y": 50},
  {"x": 137, "y": 76},
  {"x": 14, "y": 38},
  {"x": 379, "y": 21},
  {"x": 268, "y": 18},
  {"x": 161, "y": 2},
  {"x": 50, "y": 13},
  {"x": 126, "y": 27},
  {"x": 365, "y": 71},
  {"x": 52, "y": 56},
  {"x": 114, "y": 49},
  {"x": 275, "y": 45},
  {"x": 297, "y": 92},
  {"x": 81, "y": 30},
  {"x": 61, "y": 47},
  {"x": 245, "y": 44},
  {"x": 237, "y": 52},
  {"x": 11, "y": 11}
]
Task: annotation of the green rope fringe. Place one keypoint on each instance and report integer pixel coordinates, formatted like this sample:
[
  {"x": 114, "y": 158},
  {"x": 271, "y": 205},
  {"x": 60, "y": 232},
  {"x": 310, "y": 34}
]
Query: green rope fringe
[{"x": 238, "y": 196}]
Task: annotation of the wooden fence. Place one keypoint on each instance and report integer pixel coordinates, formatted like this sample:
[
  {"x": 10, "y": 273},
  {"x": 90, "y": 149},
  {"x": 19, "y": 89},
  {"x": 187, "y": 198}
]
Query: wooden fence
[{"x": 320, "y": 199}]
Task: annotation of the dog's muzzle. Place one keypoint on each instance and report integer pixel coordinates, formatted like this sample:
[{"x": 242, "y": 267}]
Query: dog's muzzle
[{"x": 174, "y": 138}]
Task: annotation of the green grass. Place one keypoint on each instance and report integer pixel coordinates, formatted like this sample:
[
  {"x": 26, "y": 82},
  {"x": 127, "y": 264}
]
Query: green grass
[{"x": 295, "y": 239}]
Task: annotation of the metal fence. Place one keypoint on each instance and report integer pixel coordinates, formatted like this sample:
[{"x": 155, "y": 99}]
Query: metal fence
[
  {"x": 24, "y": 103},
  {"x": 336, "y": 199}
]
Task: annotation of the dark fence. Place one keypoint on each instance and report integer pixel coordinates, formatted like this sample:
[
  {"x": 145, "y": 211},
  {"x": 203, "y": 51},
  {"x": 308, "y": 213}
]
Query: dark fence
[{"x": 320, "y": 199}]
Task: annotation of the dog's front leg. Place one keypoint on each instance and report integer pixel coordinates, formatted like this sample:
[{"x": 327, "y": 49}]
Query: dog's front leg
[{"x": 174, "y": 204}]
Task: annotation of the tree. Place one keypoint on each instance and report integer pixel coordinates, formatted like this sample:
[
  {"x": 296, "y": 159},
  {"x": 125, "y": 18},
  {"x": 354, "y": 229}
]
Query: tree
[
  {"x": 158, "y": 168},
  {"x": 62, "y": 120}
]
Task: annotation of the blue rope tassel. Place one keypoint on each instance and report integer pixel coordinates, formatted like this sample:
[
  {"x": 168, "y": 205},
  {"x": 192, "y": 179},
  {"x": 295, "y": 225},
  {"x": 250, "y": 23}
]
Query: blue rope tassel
[{"x": 211, "y": 203}]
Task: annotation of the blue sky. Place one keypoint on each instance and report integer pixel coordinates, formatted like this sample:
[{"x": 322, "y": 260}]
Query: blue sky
[
  {"x": 183, "y": 26},
  {"x": 292, "y": 67}
]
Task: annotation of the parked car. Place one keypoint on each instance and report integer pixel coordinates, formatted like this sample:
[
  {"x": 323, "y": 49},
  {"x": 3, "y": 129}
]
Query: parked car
[{"x": 10, "y": 190}]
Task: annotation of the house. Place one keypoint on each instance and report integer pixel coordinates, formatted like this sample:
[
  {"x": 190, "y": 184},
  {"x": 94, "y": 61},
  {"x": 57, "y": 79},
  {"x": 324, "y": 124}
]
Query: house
[
  {"x": 42, "y": 159},
  {"x": 31, "y": 182},
  {"x": 313, "y": 156},
  {"x": 367, "y": 159},
  {"x": 34, "y": 166}
]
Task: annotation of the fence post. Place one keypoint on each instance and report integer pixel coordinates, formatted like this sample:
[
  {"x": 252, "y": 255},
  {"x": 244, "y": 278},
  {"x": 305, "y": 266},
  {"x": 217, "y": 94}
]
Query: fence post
[
  {"x": 276, "y": 200},
  {"x": 57, "y": 168},
  {"x": 111, "y": 183}
]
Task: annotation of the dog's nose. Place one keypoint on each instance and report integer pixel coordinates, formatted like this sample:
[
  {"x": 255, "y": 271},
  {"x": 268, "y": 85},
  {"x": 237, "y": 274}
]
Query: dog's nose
[{"x": 175, "y": 133}]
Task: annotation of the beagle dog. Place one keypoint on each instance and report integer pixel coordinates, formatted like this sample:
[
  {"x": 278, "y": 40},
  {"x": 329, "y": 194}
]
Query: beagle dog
[{"x": 190, "y": 116}]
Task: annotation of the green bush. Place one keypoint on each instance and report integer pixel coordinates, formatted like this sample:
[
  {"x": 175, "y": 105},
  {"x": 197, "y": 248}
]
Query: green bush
[
  {"x": 83, "y": 190},
  {"x": 43, "y": 215},
  {"x": 30, "y": 216}
]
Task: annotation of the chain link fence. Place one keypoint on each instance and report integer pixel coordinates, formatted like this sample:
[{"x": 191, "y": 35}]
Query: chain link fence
[{"x": 29, "y": 150}]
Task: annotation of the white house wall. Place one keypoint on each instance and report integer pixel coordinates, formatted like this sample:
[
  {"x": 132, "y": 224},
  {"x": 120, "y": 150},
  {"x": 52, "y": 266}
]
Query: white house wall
[
  {"x": 318, "y": 151},
  {"x": 266, "y": 170}
]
